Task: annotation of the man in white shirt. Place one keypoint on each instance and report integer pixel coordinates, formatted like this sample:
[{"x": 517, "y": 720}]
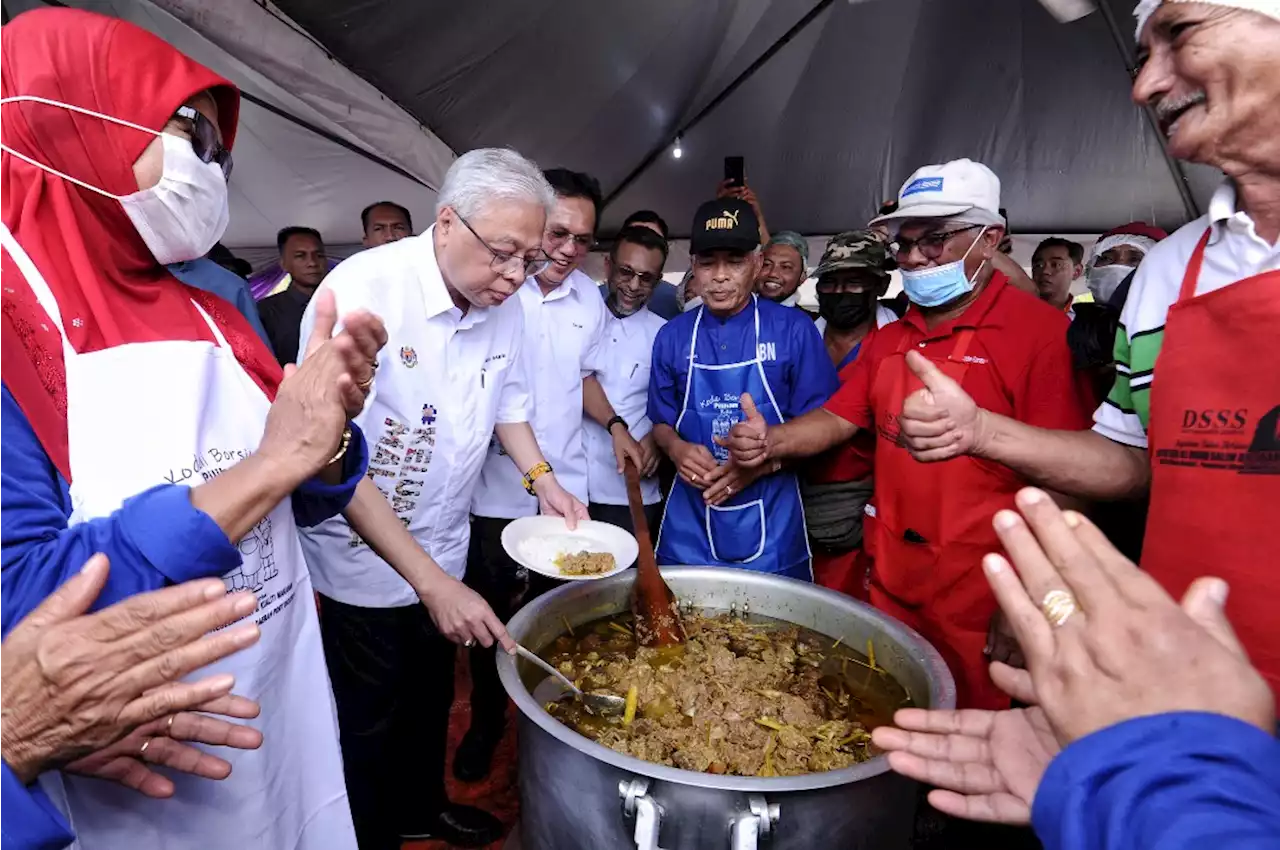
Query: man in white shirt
[
  {"x": 564, "y": 320},
  {"x": 633, "y": 270},
  {"x": 450, "y": 378}
]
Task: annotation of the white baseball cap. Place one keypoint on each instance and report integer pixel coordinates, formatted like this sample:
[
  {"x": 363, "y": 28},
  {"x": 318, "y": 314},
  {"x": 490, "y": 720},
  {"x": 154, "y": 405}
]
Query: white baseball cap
[{"x": 961, "y": 189}]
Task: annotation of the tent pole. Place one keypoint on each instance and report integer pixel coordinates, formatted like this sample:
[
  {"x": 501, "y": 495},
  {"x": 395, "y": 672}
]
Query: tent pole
[
  {"x": 1175, "y": 167},
  {"x": 764, "y": 57}
]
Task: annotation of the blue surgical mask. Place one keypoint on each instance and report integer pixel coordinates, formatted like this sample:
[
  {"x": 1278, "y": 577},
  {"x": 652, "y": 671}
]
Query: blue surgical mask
[{"x": 943, "y": 284}]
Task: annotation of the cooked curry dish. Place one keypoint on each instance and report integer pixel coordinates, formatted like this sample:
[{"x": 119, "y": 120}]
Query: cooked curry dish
[
  {"x": 747, "y": 697},
  {"x": 585, "y": 563}
]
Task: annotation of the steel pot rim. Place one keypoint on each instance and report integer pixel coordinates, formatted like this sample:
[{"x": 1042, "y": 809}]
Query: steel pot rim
[{"x": 941, "y": 692}]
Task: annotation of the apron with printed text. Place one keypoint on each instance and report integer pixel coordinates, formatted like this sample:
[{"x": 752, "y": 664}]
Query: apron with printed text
[
  {"x": 1214, "y": 446},
  {"x": 932, "y": 527},
  {"x": 762, "y": 528},
  {"x": 181, "y": 412}
]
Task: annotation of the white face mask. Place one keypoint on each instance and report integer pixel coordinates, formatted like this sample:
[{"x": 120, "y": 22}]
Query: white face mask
[
  {"x": 1104, "y": 280},
  {"x": 182, "y": 216}
]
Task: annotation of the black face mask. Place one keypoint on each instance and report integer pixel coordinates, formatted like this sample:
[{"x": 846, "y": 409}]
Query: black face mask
[{"x": 845, "y": 310}]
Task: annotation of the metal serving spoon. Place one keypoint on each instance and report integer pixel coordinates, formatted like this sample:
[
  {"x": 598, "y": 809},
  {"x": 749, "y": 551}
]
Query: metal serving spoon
[{"x": 601, "y": 704}]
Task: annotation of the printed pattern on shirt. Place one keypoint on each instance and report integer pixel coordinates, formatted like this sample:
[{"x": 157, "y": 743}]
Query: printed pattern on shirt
[{"x": 398, "y": 466}]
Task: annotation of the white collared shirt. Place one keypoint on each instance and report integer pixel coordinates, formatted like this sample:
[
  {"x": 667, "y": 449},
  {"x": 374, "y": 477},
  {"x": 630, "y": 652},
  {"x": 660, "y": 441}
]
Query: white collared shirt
[
  {"x": 1235, "y": 252},
  {"x": 624, "y": 373},
  {"x": 562, "y": 337},
  {"x": 444, "y": 379}
]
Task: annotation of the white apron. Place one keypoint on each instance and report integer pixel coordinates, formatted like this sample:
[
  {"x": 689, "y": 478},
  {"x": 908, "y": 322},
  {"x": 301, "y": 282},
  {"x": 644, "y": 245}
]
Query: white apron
[{"x": 180, "y": 412}]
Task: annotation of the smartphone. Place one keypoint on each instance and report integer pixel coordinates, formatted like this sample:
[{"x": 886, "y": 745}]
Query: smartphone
[{"x": 735, "y": 171}]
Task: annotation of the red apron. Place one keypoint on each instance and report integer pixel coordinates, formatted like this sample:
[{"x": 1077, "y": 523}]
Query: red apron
[
  {"x": 1214, "y": 443},
  {"x": 933, "y": 526}
]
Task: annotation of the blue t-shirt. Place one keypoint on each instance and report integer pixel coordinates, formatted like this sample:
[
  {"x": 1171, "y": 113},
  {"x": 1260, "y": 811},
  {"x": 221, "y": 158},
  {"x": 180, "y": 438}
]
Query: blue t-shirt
[
  {"x": 207, "y": 275},
  {"x": 1178, "y": 781},
  {"x": 795, "y": 359}
]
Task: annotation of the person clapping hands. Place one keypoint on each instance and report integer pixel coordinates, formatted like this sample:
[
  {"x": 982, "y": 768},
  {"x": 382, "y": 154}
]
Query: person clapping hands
[{"x": 1150, "y": 728}]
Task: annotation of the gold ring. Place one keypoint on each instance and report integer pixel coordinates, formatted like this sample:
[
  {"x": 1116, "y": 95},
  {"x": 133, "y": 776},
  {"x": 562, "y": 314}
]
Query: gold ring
[
  {"x": 364, "y": 385},
  {"x": 145, "y": 744},
  {"x": 728, "y": 490},
  {"x": 1058, "y": 606},
  {"x": 168, "y": 727},
  {"x": 469, "y": 642}
]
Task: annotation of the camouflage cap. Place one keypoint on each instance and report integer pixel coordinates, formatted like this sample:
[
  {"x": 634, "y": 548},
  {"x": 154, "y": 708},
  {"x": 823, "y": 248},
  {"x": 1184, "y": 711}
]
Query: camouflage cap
[{"x": 856, "y": 249}]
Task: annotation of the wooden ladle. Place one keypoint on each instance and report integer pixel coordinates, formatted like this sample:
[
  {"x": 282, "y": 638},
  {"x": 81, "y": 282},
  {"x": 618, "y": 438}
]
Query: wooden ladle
[{"x": 657, "y": 615}]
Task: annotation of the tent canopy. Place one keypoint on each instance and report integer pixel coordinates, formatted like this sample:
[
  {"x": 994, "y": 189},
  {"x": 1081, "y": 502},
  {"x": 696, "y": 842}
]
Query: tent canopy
[
  {"x": 832, "y": 121},
  {"x": 831, "y": 102}
]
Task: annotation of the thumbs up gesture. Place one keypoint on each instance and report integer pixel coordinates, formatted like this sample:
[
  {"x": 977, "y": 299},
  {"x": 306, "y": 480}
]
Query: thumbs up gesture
[
  {"x": 939, "y": 421},
  {"x": 748, "y": 441}
]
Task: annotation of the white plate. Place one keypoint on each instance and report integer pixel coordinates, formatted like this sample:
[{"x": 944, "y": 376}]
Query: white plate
[{"x": 552, "y": 534}]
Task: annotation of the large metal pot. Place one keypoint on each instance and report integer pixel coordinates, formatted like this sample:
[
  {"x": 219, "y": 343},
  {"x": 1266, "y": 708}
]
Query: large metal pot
[{"x": 578, "y": 795}]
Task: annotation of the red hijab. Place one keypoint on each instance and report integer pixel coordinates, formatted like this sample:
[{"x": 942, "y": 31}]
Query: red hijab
[{"x": 89, "y": 253}]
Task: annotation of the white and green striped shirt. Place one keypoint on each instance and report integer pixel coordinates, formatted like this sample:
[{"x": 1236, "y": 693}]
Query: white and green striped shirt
[{"x": 1234, "y": 253}]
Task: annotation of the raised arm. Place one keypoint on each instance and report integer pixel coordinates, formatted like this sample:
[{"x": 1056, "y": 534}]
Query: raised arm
[{"x": 941, "y": 421}]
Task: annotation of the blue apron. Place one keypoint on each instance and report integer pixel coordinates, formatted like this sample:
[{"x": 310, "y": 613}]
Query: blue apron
[{"x": 761, "y": 528}]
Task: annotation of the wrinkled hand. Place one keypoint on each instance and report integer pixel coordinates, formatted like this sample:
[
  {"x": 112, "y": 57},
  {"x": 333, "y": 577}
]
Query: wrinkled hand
[
  {"x": 1002, "y": 643},
  {"x": 986, "y": 765},
  {"x": 650, "y": 455},
  {"x": 76, "y": 683},
  {"x": 1129, "y": 650},
  {"x": 315, "y": 400},
  {"x": 127, "y": 763},
  {"x": 694, "y": 463},
  {"x": 939, "y": 421},
  {"x": 748, "y": 441},
  {"x": 554, "y": 500},
  {"x": 729, "y": 480},
  {"x": 625, "y": 447},
  {"x": 462, "y": 615}
]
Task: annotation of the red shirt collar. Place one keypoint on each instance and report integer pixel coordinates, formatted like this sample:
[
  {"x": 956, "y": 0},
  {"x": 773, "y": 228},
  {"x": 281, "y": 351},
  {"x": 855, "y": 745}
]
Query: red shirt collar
[{"x": 971, "y": 317}]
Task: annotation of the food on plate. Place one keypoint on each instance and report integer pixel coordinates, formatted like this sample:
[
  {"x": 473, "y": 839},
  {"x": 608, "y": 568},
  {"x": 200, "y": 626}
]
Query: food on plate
[
  {"x": 746, "y": 697},
  {"x": 570, "y": 556},
  {"x": 585, "y": 563}
]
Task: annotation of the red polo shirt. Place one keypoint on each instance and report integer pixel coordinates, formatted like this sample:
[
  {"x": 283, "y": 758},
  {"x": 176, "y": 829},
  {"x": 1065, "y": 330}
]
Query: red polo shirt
[{"x": 1020, "y": 364}]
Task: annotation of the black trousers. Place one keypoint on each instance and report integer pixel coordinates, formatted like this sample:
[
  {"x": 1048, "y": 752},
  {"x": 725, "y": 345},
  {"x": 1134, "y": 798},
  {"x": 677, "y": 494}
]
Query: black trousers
[
  {"x": 620, "y": 515},
  {"x": 506, "y": 586},
  {"x": 392, "y": 676}
]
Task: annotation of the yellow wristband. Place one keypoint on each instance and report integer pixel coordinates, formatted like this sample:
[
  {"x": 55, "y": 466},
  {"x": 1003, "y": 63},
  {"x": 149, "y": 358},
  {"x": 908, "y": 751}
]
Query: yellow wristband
[{"x": 539, "y": 470}]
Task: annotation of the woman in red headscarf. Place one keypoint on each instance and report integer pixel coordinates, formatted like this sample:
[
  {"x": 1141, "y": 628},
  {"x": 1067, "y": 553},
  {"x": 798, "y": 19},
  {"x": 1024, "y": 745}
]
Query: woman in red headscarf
[{"x": 144, "y": 419}]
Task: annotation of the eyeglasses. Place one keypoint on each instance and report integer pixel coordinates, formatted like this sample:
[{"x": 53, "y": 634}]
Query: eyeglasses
[
  {"x": 204, "y": 139},
  {"x": 503, "y": 261},
  {"x": 624, "y": 274},
  {"x": 559, "y": 236},
  {"x": 932, "y": 245}
]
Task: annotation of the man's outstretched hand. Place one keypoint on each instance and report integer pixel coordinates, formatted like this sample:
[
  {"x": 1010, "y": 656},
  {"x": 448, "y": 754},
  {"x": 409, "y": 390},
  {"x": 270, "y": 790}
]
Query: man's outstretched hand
[{"x": 939, "y": 421}]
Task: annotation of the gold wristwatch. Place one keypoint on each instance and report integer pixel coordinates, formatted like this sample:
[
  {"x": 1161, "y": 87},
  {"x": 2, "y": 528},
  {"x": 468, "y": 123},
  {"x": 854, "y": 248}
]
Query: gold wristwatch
[{"x": 539, "y": 470}]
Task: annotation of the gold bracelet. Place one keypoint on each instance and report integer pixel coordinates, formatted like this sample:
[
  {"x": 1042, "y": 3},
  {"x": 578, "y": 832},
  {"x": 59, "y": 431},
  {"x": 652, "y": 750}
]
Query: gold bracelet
[
  {"x": 539, "y": 470},
  {"x": 342, "y": 449}
]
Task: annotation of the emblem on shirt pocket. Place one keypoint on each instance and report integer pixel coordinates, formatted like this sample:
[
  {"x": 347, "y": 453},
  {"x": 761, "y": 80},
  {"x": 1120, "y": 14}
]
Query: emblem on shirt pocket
[
  {"x": 408, "y": 357},
  {"x": 428, "y": 414}
]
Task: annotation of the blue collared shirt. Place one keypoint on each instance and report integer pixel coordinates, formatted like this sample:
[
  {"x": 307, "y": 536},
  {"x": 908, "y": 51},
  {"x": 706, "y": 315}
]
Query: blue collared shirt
[
  {"x": 1178, "y": 781},
  {"x": 207, "y": 275},
  {"x": 795, "y": 359}
]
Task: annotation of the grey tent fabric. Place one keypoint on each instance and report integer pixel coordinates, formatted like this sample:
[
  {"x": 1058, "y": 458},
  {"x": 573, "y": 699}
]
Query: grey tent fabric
[{"x": 830, "y": 125}]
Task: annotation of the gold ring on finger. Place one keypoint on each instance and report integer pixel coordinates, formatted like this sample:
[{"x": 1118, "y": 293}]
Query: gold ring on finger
[
  {"x": 1058, "y": 606},
  {"x": 168, "y": 727},
  {"x": 145, "y": 744},
  {"x": 368, "y": 382}
]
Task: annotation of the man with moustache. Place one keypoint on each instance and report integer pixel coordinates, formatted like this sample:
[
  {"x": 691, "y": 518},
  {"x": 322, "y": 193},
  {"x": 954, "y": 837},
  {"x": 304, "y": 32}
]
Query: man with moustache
[
  {"x": 782, "y": 269},
  {"x": 736, "y": 355},
  {"x": 384, "y": 222}
]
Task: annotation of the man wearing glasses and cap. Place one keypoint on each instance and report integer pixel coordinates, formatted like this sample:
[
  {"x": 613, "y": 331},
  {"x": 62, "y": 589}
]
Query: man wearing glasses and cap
[
  {"x": 450, "y": 377},
  {"x": 933, "y": 522},
  {"x": 736, "y": 355}
]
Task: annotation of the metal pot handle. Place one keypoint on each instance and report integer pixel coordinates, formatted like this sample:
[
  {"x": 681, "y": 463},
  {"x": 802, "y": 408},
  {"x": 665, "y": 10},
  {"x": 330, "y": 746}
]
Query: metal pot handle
[
  {"x": 751, "y": 829},
  {"x": 637, "y": 805}
]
